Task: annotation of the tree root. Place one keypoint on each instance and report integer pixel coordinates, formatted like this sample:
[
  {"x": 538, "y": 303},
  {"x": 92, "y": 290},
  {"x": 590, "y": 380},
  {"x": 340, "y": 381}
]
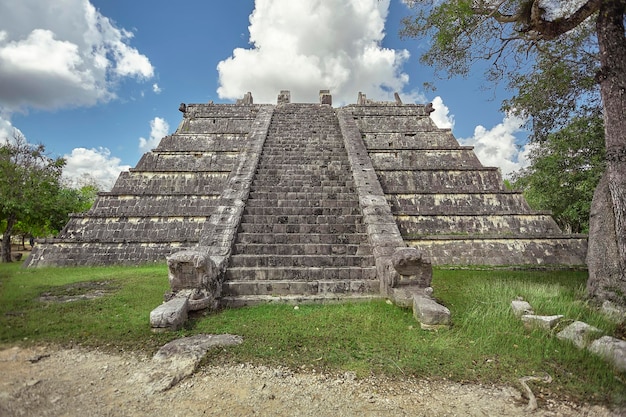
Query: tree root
[{"x": 532, "y": 401}]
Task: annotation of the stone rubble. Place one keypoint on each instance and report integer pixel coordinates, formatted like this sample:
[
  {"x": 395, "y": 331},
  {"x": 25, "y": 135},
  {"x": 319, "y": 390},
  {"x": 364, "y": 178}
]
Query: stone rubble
[{"x": 579, "y": 333}]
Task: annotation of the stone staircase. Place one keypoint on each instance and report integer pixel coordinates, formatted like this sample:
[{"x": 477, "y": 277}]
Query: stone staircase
[
  {"x": 302, "y": 233},
  {"x": 296, "y": 192}
]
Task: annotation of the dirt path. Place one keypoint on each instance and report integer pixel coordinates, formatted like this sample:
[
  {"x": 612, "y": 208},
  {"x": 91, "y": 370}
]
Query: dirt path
[{"x": 75, "y": 382}]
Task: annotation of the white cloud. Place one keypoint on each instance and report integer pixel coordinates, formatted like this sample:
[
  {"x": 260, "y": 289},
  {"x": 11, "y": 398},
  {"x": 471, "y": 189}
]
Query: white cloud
[
  {"x": 309, "y": 45},
  {"x": 496, "y": 146},
  {"x": 7, "y": 130},
  {"x": 158, "y": 129},
  {"x": 441, "y": 116},
  {"x": 84, "y": 165},
  {"x": 63, "y": 53},
  {"x": 156, "y": 89}
]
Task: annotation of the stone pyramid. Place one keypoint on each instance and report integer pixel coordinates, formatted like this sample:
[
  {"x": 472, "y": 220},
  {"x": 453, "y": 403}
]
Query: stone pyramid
[{"x": 293, "y": 199}]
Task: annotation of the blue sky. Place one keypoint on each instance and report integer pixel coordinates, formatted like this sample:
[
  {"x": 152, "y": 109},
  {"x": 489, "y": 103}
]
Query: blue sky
[{"x": 100, "y": 81}]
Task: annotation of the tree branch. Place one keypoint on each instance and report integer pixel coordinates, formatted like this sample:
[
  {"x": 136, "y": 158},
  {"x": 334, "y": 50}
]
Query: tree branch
[
  {"x": 530, "y": 14},
  {"x": 552, "y": 29}
]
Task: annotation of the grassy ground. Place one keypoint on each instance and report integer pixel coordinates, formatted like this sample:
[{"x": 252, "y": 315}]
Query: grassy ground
[{"x": 486, "y": 344}]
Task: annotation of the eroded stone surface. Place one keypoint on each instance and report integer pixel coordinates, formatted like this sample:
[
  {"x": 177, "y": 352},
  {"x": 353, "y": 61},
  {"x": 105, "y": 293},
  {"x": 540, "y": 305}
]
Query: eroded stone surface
[
  {"x": 521, "y": 307},
  {"x": 444, "y": 201},
  {"x": 541, "y": 322},
  {"x": 178, "y": 359},
  {"x": 430, "y": 313},
  {"x": 611, "y": 349},
  {"x": 579, "y": 333},
  {"x": 170, "y": 315}
]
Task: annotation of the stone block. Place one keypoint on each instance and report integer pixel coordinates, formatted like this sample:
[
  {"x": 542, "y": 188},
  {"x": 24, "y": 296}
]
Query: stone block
[
  {"x": 532, "y": 321},
  {"x": 409, "y": 261},
  {"x": 170, "y": 315},
  {"x": 611, "y": 349},
  {"x": 429, "y": 313},
  {"x": 403, "y": 296},
  {"x": 284, "y": 97},
  {"x": 579, "y": 333},
  {"x": 190, "y": 269},
  {"x": 326, "y": 97},
  {"x": 521, "y": 307}
]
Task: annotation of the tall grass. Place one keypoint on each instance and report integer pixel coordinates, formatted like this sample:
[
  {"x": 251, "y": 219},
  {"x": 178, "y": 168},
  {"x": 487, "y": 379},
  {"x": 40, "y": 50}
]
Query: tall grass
[{"x": 485, "y": 344}]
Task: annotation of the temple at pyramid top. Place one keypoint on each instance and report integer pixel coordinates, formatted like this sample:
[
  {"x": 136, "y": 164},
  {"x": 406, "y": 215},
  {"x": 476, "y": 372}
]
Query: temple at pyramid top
[{"x": 304, "y": 194}]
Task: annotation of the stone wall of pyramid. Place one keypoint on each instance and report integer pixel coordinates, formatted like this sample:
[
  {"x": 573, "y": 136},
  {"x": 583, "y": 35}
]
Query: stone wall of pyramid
[
  {"x": 447, "y": 204},
  {"x": 443, "y": 201},
  {"x": 160, "y": 206}
]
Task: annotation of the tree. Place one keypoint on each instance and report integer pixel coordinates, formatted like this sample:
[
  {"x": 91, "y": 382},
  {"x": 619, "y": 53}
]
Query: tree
[
  {"x": 511, "y": 32},
  {"x": 29, "y": 186},
  {"x": 565, "y": 170},
  {"x": 559, "y": 85}
]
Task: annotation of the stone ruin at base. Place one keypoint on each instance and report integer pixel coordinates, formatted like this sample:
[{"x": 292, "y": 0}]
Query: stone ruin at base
[{"x": 254, "y": 203}]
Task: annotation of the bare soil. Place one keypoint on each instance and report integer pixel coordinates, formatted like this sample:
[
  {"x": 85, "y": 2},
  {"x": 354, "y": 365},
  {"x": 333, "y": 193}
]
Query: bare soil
[{"x": 50, "y": 381}]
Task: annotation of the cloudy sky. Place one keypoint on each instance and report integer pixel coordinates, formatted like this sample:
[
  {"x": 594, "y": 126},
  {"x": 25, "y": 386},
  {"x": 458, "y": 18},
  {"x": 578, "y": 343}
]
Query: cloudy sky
[{"x": 99, "y": 81}]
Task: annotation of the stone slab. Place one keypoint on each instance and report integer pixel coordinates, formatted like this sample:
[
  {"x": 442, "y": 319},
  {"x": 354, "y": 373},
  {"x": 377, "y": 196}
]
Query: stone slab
[
  {"x": 521, "y": 307},
  {"x": 430, "y": 313},
  {"x": 579, "y": 333},
  {"x": 170, "y": 315},
  {"x": 611, "y": 349},
  {"x": 178, "y": 359},
  {"x": 532, "y": 321}
]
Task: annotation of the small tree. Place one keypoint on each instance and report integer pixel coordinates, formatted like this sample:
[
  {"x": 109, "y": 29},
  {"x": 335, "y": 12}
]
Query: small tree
[{"x": 29, "y": 186}]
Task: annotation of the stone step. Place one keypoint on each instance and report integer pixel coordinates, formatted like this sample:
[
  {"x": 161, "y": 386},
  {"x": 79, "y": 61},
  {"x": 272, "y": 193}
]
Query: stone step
[
  {"x": 332, "y": 156},
  {"x": 312, "y": 175},
  {"x": 312, "y": 179},
  {"x": 295, "y": 151},
  {"x": 313, "y": 143},
  {"x": 295, "y": 299},
  {"x": 302, "y": 261},
  {"x": 301, "y": 219},
  {"x": 280, "y": 288},
  {"x": 304, "y": 248},
  {"x": 302, "y": 156},
  {"x": 300, "y": 238},
  {"x": 271, "y": 195},
  {"x": 301, "y": 203},
  {"x": 301, "y": 169},
  {"x": 303, "y": 153},
  {"x": 299, "y": 188},
  {"x": 311, "y": 184},
  {"x": 294, "y": 273},
  {"x": 302, "y": 166},
  {"x": 303, "y": 228},
  {"x": 304, "y": 211}
]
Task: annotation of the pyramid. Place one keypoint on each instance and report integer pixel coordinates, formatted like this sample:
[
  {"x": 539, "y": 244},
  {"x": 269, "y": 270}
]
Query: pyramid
[{"x": 306, "y": 199}]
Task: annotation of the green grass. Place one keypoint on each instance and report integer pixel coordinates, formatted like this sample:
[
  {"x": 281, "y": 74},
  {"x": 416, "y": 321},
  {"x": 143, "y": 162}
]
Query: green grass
[{"x": 486, "y": 343}]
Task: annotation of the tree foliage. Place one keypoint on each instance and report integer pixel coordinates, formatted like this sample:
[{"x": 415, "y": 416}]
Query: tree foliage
[
  {"x": 505, "y": 33},
  {"x": 559, "y": 85},
  {"x": 29, "y": 186},
  {"x": 572, "y": 44},
  {"x": 566, "y": 168}
]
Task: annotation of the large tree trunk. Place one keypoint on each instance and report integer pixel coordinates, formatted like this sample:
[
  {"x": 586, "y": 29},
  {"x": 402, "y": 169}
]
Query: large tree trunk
[
  {"x": 607, "y": 236},
  {"x": 5, "y": 252}
]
